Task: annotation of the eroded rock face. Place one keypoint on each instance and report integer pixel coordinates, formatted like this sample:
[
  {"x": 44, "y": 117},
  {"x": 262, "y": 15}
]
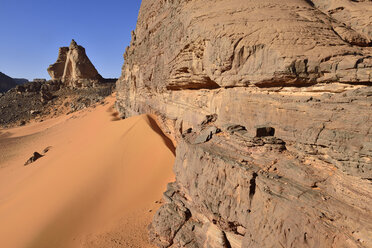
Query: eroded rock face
[
  {"x": 351, "y": 16},
  {"x": 73, "y": 67},
  {"x": 57, "y": 69},
  {"x": 270, "y": 103}
]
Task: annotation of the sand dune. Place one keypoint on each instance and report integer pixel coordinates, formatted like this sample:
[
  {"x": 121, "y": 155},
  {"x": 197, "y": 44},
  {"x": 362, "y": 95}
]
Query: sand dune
[{"x": 96, "y": 187}]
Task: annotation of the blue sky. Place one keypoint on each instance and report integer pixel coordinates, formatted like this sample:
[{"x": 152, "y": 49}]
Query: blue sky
[{"x": 31, "y": 31}]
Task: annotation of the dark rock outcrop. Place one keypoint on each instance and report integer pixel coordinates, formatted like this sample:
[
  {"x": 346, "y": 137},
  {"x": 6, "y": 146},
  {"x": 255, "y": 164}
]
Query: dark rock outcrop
[
  {"x": 214, "y": 71},
  {"x": 20, "y": 80},
  {"x": 41, "y": 99},
  {"x": 33, "y": 158},
  {"x": 6, "y": 83}
]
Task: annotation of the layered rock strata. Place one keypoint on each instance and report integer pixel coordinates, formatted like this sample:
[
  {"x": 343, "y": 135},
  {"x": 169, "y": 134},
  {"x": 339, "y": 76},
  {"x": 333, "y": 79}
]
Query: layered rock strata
[
  {"x": 269, "y": 103},
  {"x": 73, "y": 67}
]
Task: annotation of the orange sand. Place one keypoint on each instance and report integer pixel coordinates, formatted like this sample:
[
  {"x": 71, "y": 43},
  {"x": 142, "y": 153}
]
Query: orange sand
[{"x": 96, "y": 187}]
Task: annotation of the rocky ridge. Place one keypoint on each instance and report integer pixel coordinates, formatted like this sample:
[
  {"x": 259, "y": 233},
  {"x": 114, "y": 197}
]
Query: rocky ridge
[
  {"x": 75, "y": 85},
  {"x": 41, "y": 99},
  {"x": 6, "y": 83},
  {"x": 223, "y": 75}
]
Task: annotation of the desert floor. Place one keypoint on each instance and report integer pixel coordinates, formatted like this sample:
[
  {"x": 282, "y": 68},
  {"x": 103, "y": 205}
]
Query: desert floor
[{"x": 98, "y": 185}]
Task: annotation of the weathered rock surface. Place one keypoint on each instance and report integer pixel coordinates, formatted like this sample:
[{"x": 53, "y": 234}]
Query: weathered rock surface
[
  {"x": 6, "y": 83},
  {"x": 73, "y": 67},
  {"x": 222, "y": 76},
  {"x": 354, "y": 19}
]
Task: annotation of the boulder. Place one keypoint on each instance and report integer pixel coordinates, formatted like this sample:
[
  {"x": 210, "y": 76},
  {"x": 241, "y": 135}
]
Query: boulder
[
  {"x": 45, "y": 96},
  {"x": 33, "y": 158},
  {"x": 168, "y": 220}
]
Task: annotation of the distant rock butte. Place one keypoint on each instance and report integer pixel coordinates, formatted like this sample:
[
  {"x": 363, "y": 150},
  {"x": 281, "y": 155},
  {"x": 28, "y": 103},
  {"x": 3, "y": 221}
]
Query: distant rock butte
[
  {"x": 73, "y": 67},
  {"x": 20, "y": 80},
  {"x": 215, "y": 72}
]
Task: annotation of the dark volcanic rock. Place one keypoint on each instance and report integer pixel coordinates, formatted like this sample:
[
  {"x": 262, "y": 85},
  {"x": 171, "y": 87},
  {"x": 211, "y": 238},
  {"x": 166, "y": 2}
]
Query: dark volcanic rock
[
  {"x": 33, "y": 158},
  {"x": 46, "y": 96}
]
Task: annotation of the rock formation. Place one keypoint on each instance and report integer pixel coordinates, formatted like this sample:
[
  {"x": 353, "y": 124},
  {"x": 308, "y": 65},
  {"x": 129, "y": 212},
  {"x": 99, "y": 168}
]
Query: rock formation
[
  {"x": 224, "y": 77},
  {"x": 40, "y": 99},
  {"x": 20, "y": 80},
  {"x": 6, "y": 82},
  {"x": 73, "y": 67}
]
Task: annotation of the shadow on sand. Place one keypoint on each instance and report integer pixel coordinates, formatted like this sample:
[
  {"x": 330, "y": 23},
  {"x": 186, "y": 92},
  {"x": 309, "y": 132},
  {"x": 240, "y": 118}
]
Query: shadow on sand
[{"x": 168, "y": 142}]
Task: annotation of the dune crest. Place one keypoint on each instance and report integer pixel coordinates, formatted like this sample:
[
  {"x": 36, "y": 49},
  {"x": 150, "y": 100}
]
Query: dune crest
[{"x": 100, "y": 176}]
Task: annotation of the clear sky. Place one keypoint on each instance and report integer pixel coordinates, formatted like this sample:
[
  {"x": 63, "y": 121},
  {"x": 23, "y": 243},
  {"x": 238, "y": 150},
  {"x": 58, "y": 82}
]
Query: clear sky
[{"x": 31, "y": 31}]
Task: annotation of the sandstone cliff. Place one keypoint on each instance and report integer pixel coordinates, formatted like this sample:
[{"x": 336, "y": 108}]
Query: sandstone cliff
[
  {"x": 6, "y": 82},
  {"x": 73, "y": 67},
  {"x": 221, "y": 76}
]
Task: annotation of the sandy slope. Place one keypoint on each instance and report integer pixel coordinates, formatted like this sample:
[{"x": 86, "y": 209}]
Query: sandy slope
[{"x": 96, "y": 187}]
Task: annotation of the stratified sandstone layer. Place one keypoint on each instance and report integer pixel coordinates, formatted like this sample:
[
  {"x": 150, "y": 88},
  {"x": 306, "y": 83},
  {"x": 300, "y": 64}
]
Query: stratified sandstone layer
[
  {"x": 73, "y": 67},
  {"x": 221, "y": 76}
]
